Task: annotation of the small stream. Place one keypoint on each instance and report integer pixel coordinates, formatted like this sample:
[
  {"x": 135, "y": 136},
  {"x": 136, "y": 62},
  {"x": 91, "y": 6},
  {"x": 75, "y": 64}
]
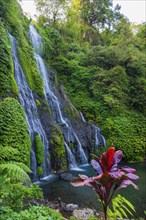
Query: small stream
[{"x": 54, "y": 188}]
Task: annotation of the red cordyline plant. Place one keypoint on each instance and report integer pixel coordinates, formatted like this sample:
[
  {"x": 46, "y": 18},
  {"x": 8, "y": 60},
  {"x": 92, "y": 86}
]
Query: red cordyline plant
[{"x": 110, "y": 178}]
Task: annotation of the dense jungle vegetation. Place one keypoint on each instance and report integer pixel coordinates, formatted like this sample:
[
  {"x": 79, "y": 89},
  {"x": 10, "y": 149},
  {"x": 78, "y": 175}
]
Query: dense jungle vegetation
[{"x": 99, "y": 57}]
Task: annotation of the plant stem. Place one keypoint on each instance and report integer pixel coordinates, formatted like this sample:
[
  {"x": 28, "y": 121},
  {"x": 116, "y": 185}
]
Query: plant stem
[
  {"x": 105, "y": 212},
  {"x": 110, "y": 198}
]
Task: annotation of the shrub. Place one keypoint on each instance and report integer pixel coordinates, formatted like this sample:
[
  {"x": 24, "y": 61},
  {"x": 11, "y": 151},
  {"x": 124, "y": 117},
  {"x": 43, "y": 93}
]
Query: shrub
[{"x": 34, "y": 212}]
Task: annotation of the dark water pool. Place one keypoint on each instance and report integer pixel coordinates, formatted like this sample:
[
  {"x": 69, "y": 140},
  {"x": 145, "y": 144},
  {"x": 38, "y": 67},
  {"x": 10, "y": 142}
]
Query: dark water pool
[{"x": 86, "y": 197}]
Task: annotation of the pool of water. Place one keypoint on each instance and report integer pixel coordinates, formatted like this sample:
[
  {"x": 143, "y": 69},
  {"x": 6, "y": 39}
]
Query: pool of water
[{"x": 86, "y": 197}]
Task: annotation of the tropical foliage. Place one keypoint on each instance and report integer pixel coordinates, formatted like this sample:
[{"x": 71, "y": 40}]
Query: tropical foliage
[
  {"x": 121, "y": 208},
  {"x": 103, "y": 71},
  {"x": 110, "y": 177},
  {"x": 100, "y": 59},
  {"x": 34, "y": 212}
]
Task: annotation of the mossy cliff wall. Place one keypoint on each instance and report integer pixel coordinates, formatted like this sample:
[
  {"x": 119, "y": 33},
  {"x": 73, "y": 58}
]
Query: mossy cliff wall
[
  {"x": 59, "y": 160},
  {"x": 13, "y": 130},
  {"x": 13, "y": 127},
  {"x": 39, "y": 149},
  {"x": 18, "y": 25},
  {"x": 7, "y": 82}
]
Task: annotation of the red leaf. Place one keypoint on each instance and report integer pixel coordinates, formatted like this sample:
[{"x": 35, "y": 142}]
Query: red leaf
[
  {"x": 117, "y": 156},
  {"x": 96, "y": 166},
  {"x": 128, "y": 169},
  {"x": 126, "y": 183},
  {"x": 77, "y": 182},
  {"x": 84, "y": 177},
  {"x": 132, "y": 176},
  {"x": 110, "y": 154},
  {"x": 104, "y": 162}
]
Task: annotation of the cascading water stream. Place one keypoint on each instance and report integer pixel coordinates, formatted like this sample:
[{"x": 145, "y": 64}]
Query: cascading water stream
[
  {"x": 52, "y": 98},
  {"x": 49, "y": 95},
  {"x": 81, "y": 152},
  {"x": 28, "y": 103},
  {"x": 71, "y": 159},
  {"x": 99, "y": 138},
  {"x": 82, "y": 117}
]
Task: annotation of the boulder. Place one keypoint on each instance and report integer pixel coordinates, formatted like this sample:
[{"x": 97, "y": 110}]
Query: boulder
[
  {"x": 70, "y": 207},
  {"x": 66, "y": 176},
  {"x": 83, "y": 214}
]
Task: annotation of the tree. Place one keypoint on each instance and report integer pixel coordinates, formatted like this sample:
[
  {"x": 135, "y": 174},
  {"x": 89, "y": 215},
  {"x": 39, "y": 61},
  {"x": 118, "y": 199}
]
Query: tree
[
  {"x": 141, "y": 36},
  {"x": 97, "y": 13},
  {"x": 51, "y": 9}
]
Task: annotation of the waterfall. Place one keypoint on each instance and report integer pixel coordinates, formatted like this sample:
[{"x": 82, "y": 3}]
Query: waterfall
[
  {"x": 28, "y": 103},
  {"x": 99, "y": 138},
  {"x": 82, "y": 117},
  {"x": 52, "y": 98},
  {"x": 49, "y": 95},
  {"x": 71, "y": 159},
  {"x": 96, "y": 138},
  {"x": 81, "y": 152}
]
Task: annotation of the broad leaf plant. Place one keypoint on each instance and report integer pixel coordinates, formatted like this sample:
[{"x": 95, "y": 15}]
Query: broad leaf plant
[{"x": 110, "y": 177}]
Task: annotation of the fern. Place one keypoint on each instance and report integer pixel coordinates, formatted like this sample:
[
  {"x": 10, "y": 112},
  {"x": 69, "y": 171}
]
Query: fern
[
  {"x": 6, "y": 153},
  {"x": 15, "y": 171},
  {"x": 121, "y": 208},
  {"x": 22, "y": 166}
]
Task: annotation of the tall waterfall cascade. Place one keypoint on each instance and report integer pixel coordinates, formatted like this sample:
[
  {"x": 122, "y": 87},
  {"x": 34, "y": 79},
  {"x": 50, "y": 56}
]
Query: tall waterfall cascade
[
  {"x": 78, "y": 134},
  {"x": 28, "y": 103},
  {"x": 55, "y": 103}
]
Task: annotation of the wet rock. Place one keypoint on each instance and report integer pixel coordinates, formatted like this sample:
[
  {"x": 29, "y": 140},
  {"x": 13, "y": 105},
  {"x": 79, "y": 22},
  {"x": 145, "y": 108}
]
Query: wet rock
[
  {"x": 70, "y": 207},
  {"x": 83, "y": 214},
  {"x": 66, "y": 176}
]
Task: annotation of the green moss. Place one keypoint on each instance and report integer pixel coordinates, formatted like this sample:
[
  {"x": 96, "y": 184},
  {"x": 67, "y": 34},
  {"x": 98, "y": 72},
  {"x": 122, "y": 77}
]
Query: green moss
[
  {"x": 19, "y": 29},
  {"x": 14, "y": 130},
  {"x": 39, "y": 148},
  {"x": 46, "y": 107},
  {"x": 58, "y": 148},
  {"x": 32, "y": 75},
  {"x": 38, "y": 104},
  {"x": 49, "y": 110},
  {"x": 71, "y": 112},
  {"x": 71, "y": 145},
  {"x": 40, "y": 170},
  {"x": 7, "y": 81}
]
